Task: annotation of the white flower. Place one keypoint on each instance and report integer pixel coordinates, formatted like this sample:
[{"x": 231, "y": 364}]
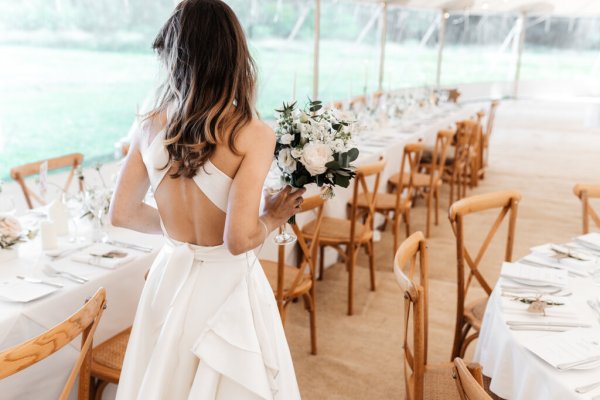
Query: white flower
[
  {"x": 338, "y": 146},
  {"x": 315, "y": 156},
  {"x": 296, "y": 153},
  {"x": 285, "y": 161},
  {"x": 10, "y": 228},
  {"x": 286, "y": 139},
  {"x": 304, "y": 117}
]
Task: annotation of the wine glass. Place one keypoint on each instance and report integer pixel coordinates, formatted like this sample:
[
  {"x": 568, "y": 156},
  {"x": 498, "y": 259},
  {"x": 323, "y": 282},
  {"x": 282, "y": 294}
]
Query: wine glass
[{"x": 274, "y": 184}]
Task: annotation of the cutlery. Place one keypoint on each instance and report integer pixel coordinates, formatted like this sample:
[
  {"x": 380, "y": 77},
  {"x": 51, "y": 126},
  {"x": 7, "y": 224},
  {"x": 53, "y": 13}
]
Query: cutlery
[
  {"x": 574, "y": 364},
  {"x": 549, "y": 323},
  {"x": 40, "y": 281},
  {"x": 129, "y": 246},
  {"x": 595, "y": 307},
  {"x": 586, "y": 251},
  {"x": 588, "y": 388},
  {"x": 68, "y": 252},
  {"x": 569, "y": 252},
  {"x": 51, "y": 271},
  {"x": 541, "y": 290},
  {"x": 587, "y": 245},
  {"x": 543, "y": 265},
  {"x": 539, "y": 328}
]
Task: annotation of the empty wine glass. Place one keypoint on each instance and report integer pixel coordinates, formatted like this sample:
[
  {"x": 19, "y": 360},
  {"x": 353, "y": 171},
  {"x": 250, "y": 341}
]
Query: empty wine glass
[{"x": 275, "y": 184}]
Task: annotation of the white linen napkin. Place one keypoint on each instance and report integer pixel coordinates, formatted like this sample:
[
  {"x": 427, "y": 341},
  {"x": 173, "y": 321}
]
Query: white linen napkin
[{"x": 93, "y": 256}]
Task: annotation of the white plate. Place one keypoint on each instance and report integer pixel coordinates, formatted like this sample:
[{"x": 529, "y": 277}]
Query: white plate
[
  {"x": 527, "y": 282},
  {"x": 19, "y": 291}
]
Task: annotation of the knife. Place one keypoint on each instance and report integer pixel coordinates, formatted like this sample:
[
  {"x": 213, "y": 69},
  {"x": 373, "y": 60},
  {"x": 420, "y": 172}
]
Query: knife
[
  {"x": 129, "y": 246},
  {"x": 539, "y": 328},
  {"x": 548, "y": 323},
  {"x": 40, "y": 281}
]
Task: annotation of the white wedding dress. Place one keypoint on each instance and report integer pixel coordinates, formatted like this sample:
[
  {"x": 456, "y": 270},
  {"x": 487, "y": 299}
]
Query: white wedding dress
[{"x": 207, "y": 325}]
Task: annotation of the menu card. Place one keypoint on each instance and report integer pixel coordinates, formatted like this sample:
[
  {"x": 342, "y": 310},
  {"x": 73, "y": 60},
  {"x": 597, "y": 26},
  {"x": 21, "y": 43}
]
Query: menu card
[
  {"x": 535, "y": 276},
  {"x": 580, "y": 346}
]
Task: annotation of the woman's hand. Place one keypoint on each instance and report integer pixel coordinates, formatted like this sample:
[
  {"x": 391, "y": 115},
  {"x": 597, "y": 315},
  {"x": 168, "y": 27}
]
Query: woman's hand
[{"x": 282, "y": 205}]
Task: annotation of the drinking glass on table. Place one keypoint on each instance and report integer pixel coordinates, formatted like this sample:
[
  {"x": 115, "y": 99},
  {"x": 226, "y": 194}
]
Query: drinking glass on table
[{"x": 75, "y": 206}]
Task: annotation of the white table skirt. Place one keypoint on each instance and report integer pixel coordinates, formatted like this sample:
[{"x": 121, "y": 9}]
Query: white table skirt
[{"x": 518, "y": 374}]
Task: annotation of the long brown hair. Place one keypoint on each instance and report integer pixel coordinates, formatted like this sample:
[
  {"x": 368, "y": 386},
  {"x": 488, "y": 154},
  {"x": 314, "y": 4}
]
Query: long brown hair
[{"x": 210, "y": 83}]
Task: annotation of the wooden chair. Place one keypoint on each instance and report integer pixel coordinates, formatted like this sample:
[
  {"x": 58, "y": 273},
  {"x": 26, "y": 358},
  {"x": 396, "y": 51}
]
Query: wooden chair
[
  {"x": 23, "y": 171},
  {"x": 84, "y": 322},
  {"x": 457, "y": 173},
  {"x": 453, "y": 95},
  {"x": 422, "y": 380},
  {"x": 400, "y": 202},
  {"x": 469, "y": 381},
  {"x": 585, "y": 192},
  {"x": 291, "y": 283},
  {"x": 358, "y": 103},
  {"x": 351, "y": 233},
  {"x": 470, "y": 315},
  {"x": 487, "y": 134}
]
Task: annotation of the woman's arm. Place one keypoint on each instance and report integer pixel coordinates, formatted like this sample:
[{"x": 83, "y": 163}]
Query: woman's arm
[
  {"x": 127, "y": 208},
  {"x": 243, "y": 230}
]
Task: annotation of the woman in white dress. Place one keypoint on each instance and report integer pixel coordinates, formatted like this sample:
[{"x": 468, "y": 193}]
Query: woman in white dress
[{"x": 207, "y": 325}]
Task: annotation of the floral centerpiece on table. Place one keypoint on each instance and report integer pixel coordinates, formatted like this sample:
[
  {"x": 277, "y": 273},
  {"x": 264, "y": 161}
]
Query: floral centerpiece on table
[
  {"x": 96, "y": 199},
  {"x": 10, "y": 232},
  {"x": 314, "y": 145}
]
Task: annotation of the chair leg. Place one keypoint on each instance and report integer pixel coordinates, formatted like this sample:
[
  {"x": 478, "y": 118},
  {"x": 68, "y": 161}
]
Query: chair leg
[
  {"x": 100, "y": 386},
  {"x": 460, "y": 333},
  {"x": 428, "y": 221},
  {"x": 396, "y": 232},
  {"x": 321, "y": 262},
  {"x": 466, "y": 344},
  {"x": 350, "y": 267},
  {"x": 371, "y": 249},
  {"x": 407, "y": 222},
  {"x": 311, "y": 306},
  {"x": 437, "y": 205}
]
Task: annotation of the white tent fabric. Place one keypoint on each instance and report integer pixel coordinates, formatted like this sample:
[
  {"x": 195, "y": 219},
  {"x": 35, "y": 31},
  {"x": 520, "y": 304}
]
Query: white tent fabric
[{"x": 569, "y": 8}]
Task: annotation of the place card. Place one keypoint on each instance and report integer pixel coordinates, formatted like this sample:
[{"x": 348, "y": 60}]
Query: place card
[
  {"x": 575, "y": 349},
  {"x": 534, "y": 276}
]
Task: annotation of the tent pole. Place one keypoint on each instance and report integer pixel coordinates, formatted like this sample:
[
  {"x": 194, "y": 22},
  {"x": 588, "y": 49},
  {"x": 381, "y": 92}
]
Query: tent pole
[
  {"x": 441, "y": 43},
  {"x": 382, "y": 44},
  {"x": 520, "y": 45},
  {"x": 317, "y": 39}
]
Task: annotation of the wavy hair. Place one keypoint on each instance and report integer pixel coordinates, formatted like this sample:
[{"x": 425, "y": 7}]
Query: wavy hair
[{"x": 210, "y": 85}]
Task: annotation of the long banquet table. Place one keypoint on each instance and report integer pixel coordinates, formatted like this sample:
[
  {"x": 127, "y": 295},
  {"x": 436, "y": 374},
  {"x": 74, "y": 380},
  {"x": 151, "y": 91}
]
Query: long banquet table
[
  {"x": 516, "y": 372},
  {"x": 21, "y": 321}
]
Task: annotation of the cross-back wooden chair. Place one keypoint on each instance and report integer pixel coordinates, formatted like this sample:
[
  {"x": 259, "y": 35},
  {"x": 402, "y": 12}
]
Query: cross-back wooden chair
[
  {"x": 352, "y": 233},
  {"x": 21, "y": 172},
  {"x": 487, "y": 134},
  {"x": 358, "y": 102},
  {"x": 400, "y": 192},
  {"x": 291, "y": 283},
  {"x": 585, "y": 192},
  {"x": 470, "y": 315},
  {"x": 469, "y": 381},
  {"x": 422, "y": 380},
  {"x": 457, "y": 173},
  {"x": 83, "y": 322}
]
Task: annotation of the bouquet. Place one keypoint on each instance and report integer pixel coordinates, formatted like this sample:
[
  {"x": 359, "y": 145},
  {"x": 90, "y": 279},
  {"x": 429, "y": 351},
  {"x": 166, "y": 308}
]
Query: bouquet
[
  {"x": 10, "y": 231},
  {"x": 314, "y": 145}
]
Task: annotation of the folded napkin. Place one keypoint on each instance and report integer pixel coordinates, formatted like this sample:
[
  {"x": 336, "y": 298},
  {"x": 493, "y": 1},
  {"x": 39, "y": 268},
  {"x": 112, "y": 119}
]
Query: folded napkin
[
  {"x": 535, "y": 276},
  {"x": 591, "y": 240},
  {"x": 104, "y": 256}
]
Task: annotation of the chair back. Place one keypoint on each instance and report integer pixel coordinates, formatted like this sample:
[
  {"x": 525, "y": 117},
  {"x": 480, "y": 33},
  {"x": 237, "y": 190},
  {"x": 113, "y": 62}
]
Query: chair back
[
  {"x": 440, "y": 153},
  {"x": 84, "y": 322},
  {"x": 507, "y": 202},
  {"x": 358, "y": 102},
  {"x": 490, "y": 122},
  {"x": 411, "y": 158},
  {"x": 463, "y": 140},
  {"x": 585, "y": 192},
  {"x": 369, "y": 194},
  {"x": 308, "y": 252},
  {"x": 415, "y": 301},
  {"x": 469, "y": 381},
  {"x": 21, "y": 172}
]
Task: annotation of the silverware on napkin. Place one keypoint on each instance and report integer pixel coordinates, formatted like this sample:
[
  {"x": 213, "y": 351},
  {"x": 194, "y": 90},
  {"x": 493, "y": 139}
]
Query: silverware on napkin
[
  {"x": 548, "y": 323},
  {"x": 129, "y": 246},
  {"x": 40, "y": 281},
  {"x": 68, "y": 252},
  {"x": 51, "y": 271},
  {"x": 539, "y": 328}
]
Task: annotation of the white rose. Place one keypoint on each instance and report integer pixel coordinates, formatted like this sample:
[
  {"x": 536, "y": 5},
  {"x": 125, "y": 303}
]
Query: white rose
[
  {"x": 286, "y": 139},
  {"x": 296, "y": 153},
  {"x": 338, "y": 146},
  {"x": 286, "y": 161},
  {"x": 315, "y": 156},
  {"x": 10, "y": 227}
]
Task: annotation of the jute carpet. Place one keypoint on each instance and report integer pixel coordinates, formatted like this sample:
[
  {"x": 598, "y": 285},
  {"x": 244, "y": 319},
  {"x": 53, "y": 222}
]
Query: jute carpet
[{"x": 539, "y": 148}]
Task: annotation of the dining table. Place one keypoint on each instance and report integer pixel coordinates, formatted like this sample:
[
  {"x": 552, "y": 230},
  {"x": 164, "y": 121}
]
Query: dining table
[
  {"x": 552, "y": 352},
  {"x": 22, "y": 318}
]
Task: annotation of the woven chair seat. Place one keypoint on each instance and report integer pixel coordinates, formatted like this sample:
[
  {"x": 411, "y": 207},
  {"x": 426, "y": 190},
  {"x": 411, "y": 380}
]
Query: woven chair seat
[
  {"x": 474, "y": 312},
  {"x": 438, "y": 383},
  {"x": 270, "y": 268},
  {"x": 383, "y": 202},
  {"x": 107, "y": 358},
  {"x": 337, "y": 230}
]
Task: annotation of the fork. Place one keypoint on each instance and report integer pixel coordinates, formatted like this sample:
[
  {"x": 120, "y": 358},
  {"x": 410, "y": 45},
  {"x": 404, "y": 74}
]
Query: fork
[{"x": 51, "y": 271}]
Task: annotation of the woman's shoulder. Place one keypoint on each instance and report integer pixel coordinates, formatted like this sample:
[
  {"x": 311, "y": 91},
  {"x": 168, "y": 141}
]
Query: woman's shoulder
[{"x": 255, "y": 132}]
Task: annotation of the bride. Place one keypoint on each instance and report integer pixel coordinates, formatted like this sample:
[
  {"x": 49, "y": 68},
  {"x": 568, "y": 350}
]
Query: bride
[{"x": 207, "y": 326}]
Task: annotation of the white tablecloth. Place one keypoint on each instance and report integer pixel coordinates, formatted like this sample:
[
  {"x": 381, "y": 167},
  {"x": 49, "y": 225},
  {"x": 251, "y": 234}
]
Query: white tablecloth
[
  {"x": 22, "y": 321},
  {"x": 518, "y": 374}
]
